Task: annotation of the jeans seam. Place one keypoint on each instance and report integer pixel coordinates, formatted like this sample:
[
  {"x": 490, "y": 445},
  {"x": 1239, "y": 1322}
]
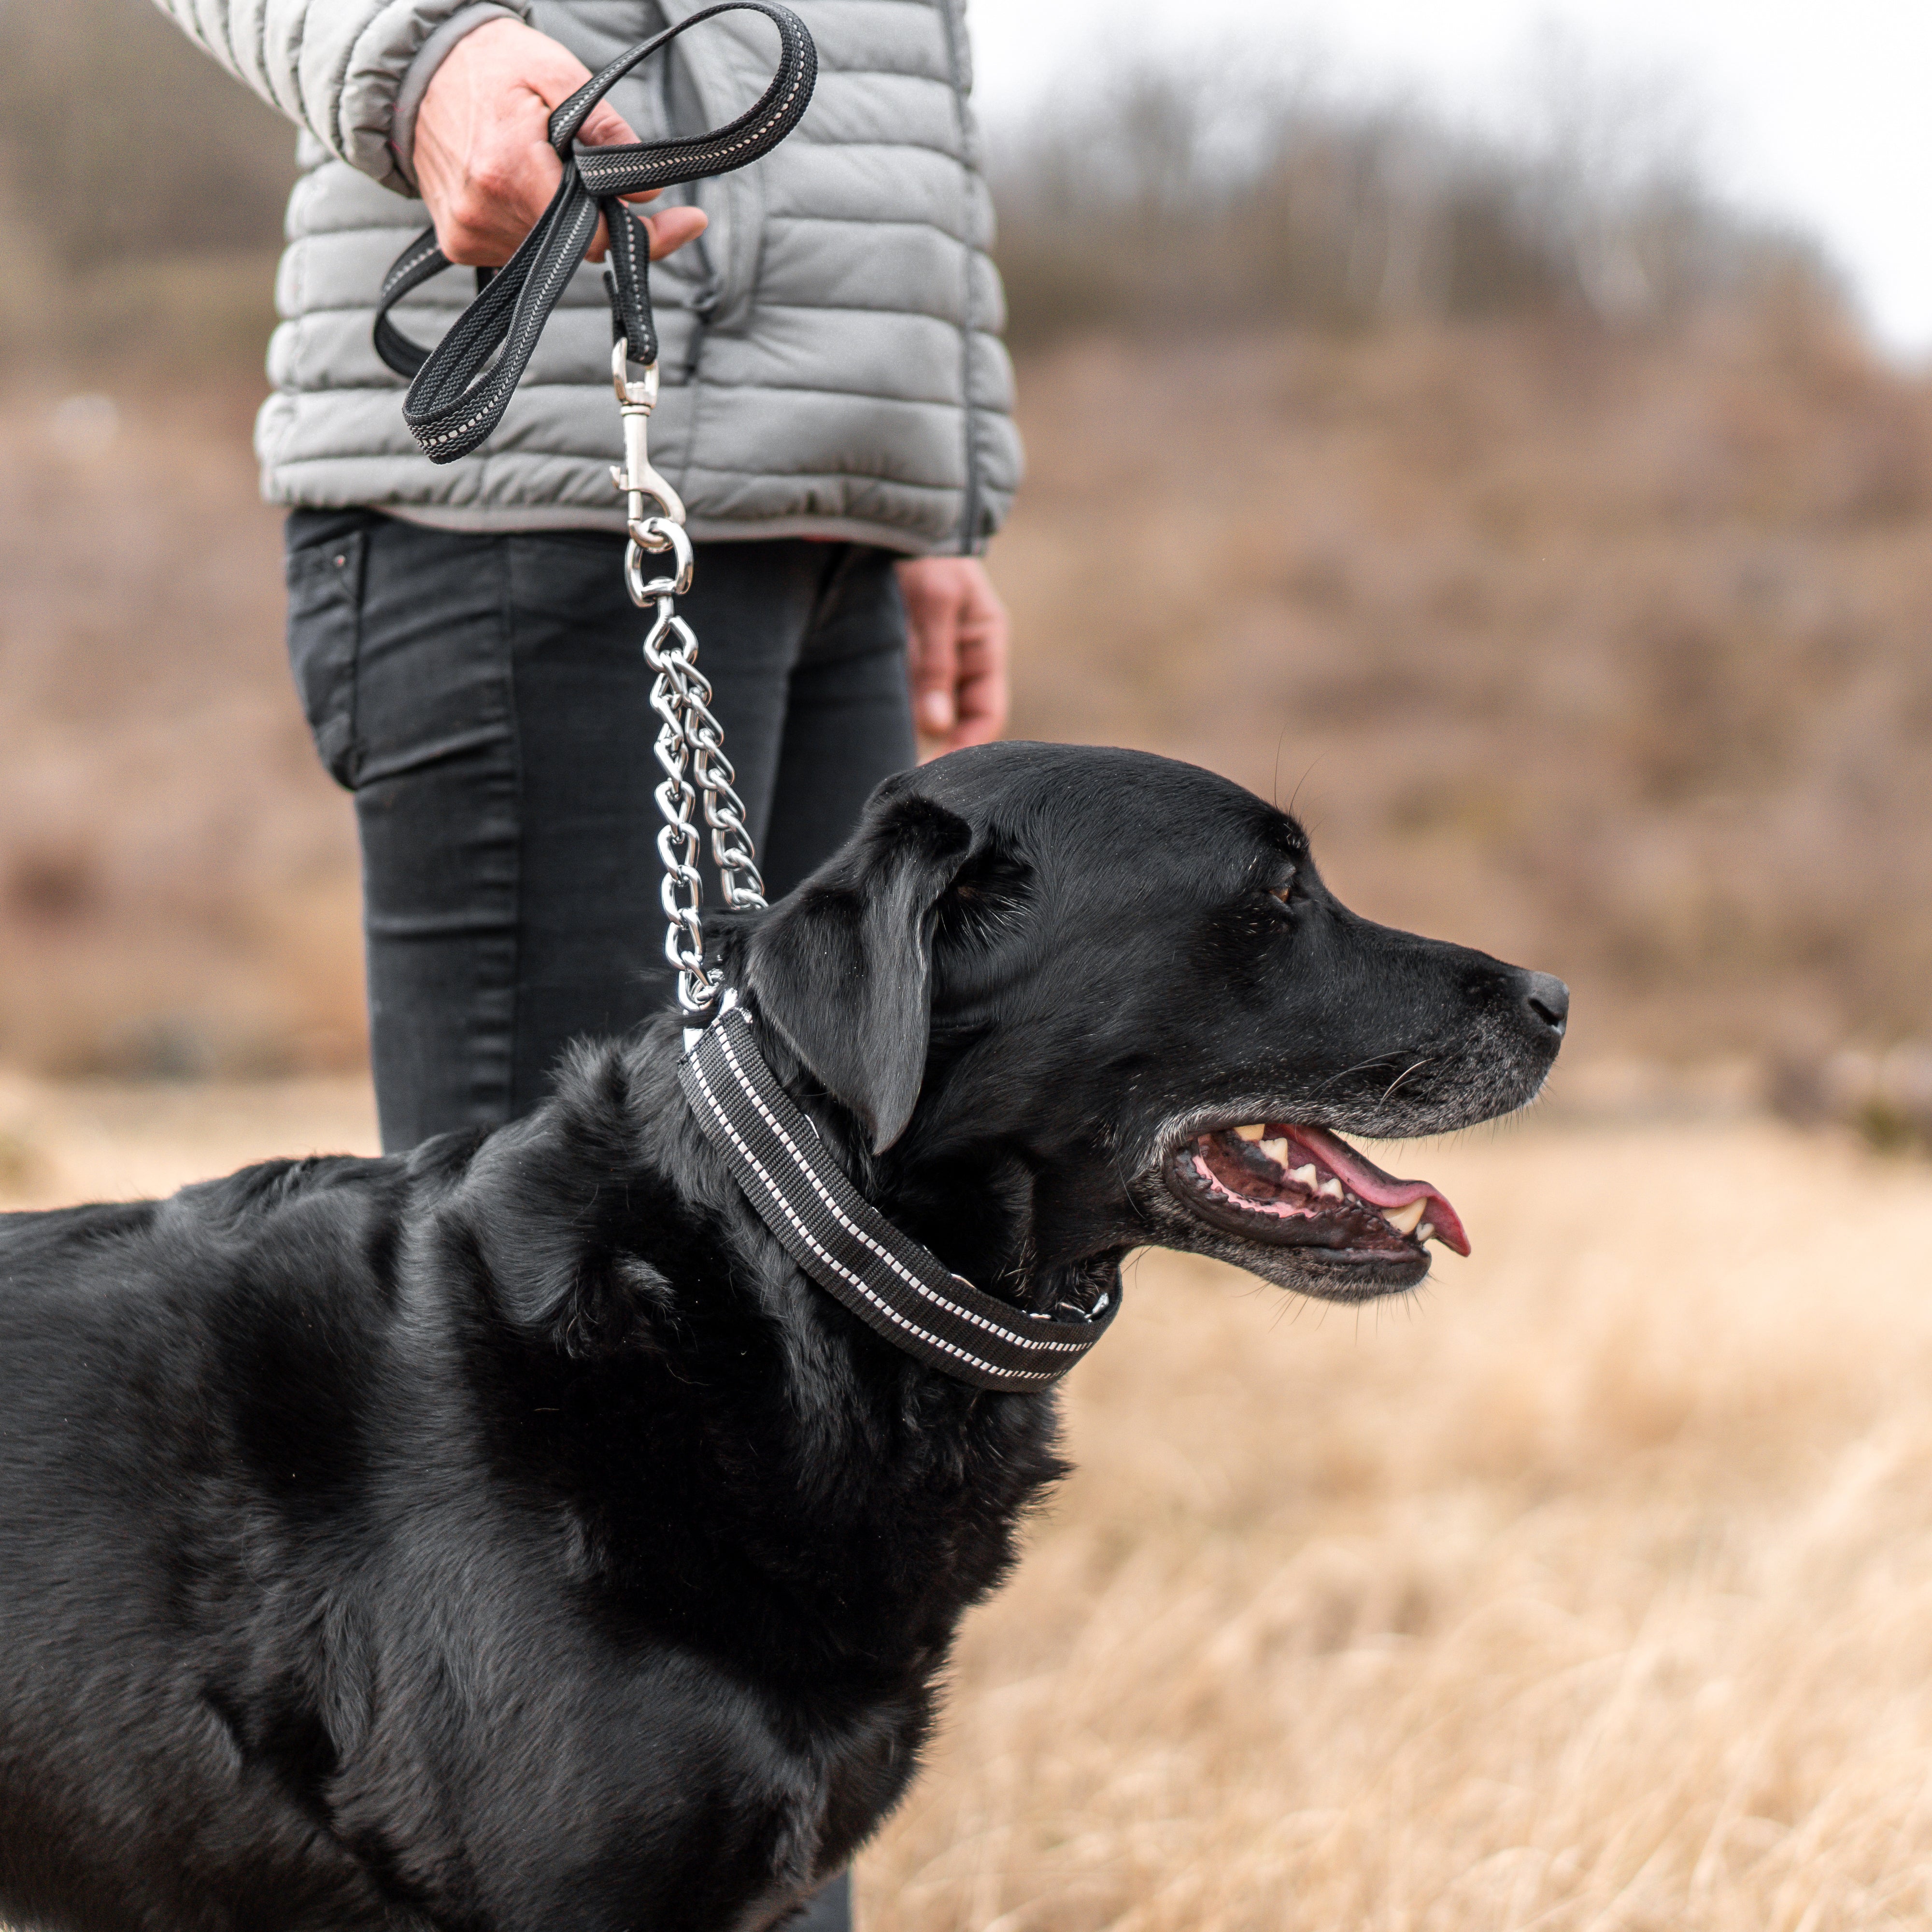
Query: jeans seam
[
  {"x": 508, "y": 608},
  {"x": 352, "y": 752},
  {"x": 843, "y": 561}
]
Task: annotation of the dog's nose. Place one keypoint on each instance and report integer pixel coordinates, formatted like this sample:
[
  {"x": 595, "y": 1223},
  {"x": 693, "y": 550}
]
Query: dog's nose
[{"x": 1548, "y": 1000}]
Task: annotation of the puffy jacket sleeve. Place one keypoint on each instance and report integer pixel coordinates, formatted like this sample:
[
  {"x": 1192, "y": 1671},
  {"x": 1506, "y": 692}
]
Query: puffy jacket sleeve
[{"x": 334, "y": 67}]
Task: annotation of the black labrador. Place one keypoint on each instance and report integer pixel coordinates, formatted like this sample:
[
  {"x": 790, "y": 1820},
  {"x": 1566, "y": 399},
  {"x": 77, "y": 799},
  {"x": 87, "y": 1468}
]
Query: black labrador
[{"x": 507, "y": 1535}]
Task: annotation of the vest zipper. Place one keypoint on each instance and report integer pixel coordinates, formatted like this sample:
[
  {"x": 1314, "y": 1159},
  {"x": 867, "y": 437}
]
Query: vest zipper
[{"x": 703, "y": 308}]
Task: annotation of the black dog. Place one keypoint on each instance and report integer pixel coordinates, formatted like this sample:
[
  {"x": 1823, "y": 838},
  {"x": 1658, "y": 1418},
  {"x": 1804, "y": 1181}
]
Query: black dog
[{"x": 506, "y": 1535}]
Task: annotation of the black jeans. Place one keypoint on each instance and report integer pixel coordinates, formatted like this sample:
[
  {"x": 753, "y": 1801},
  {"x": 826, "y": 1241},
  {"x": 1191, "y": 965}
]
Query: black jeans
[{"x": 486, "y": 699}]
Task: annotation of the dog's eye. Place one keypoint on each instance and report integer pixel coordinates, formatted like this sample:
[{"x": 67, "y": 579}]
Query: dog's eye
[{"x": 1285, "y": 892}]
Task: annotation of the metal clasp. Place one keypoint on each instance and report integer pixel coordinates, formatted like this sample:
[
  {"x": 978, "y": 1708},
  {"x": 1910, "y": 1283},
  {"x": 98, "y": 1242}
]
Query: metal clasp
[{"x": 636, "y": 478}]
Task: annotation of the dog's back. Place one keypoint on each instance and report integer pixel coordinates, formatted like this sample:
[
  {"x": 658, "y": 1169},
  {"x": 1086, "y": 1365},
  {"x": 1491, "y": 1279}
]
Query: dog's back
[
  {"x": 179, "y": 1380},
  {"x": 292, "y": 1621}
]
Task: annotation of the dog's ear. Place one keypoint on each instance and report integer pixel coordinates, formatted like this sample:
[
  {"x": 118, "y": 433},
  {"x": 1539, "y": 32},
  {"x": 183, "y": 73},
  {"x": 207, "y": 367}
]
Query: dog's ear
[{"x": 842, "y": 968}]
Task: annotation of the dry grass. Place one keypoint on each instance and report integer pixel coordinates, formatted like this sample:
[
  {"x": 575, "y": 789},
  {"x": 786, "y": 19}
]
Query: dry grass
[{"x": 1591, "y": 1589}]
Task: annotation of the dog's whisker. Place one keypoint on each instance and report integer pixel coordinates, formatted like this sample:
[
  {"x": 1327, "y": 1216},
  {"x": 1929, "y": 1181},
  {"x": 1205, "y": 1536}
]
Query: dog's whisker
[{"x": 1415, "y": 1067}]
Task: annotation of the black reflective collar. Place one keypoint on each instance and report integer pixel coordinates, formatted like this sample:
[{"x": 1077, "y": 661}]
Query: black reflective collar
[{"x": 847, "y": 1246}]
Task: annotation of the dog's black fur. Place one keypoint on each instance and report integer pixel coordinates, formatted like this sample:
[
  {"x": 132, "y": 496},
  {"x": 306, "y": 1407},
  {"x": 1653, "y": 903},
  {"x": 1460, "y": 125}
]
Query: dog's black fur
[{"x": 505, "y": 1535}]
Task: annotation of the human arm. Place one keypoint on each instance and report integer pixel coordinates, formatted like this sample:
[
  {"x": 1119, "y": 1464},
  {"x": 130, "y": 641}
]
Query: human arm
[
  {"x": 472, "y": 84},
  {"x": 956, "y": 650}
]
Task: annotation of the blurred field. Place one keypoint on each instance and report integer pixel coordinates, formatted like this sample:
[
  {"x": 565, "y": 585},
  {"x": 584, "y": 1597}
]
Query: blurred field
[
  {"x": 1602, "y": 651},
  {"x": 1592, "y": 1588},
  {"x": 177, "y": 893},
  {"x": 1605, "y": 652},
  {"x": 1538, "y": 527}
]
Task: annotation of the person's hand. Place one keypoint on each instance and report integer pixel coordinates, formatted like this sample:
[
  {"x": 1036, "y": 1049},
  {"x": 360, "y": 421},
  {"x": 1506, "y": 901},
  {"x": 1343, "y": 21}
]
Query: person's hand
[
  {"x": 956, "y": 652},
  {"x": 483, "y": 162}
]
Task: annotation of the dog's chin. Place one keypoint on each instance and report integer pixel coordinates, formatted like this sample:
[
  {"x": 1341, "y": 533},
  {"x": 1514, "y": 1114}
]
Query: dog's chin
[
  {"x": 1325, "y": 1275},
  {"x": 1297, "y": 1206}
]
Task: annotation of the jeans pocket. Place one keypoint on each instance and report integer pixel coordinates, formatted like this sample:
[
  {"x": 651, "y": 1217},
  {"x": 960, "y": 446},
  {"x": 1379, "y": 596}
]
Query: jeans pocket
[{"x": 324, "y": 582}]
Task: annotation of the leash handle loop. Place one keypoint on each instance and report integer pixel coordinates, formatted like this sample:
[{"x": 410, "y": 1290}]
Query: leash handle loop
[{"x": 460, "y": 389}]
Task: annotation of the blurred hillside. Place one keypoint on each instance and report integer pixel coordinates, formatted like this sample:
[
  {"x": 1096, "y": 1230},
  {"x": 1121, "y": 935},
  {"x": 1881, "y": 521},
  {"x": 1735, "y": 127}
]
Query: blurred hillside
[
  {"x": 1544, "y": 533},
  {"x": 1607, "y": 651}
]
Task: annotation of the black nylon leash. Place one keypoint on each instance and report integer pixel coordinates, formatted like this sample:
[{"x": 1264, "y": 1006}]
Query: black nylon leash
[
  {"x": 889, "y": 1281},
  {"x": 460, "y": 389}
]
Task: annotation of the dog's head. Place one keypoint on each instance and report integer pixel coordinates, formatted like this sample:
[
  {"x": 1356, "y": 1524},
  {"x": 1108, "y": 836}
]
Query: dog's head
[{"x": 1076, "y": 1001}]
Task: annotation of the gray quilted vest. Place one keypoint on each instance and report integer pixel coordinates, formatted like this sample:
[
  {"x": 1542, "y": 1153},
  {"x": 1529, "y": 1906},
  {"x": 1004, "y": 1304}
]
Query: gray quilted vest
[{"x": 831, "y": 359}]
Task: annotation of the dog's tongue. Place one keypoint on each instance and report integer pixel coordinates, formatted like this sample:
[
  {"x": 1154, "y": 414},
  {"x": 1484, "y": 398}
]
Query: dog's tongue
[{"x": 1379, "y": 1190}]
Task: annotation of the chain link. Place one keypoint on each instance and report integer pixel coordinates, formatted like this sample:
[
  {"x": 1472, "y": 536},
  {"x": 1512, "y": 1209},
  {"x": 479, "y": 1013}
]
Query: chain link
[
  {"x": 690, "y": 752},
  {"x": 690, "y": 744}
]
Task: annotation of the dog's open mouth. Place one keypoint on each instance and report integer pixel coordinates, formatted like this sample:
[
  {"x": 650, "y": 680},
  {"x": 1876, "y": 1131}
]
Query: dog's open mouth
[{"x": 1297, "y": 1187}]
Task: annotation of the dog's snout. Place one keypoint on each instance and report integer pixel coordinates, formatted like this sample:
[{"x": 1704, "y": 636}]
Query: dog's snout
[{"x": 1548, "y": 1000}]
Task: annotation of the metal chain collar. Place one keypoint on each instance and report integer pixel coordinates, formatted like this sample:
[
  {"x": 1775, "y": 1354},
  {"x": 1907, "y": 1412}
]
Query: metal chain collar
[{"x": 689, "y": 746}]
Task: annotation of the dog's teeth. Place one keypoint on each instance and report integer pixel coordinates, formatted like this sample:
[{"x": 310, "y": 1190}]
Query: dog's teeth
[
  {"x": 1252, "y": 1131},
  {"x": 1305, "y": 1175},
  {"x": 1277, "y": 1151},
  {"x": 1426, "y": 1231},
  {"x": 1404, "y": 1219},
  {"x": 1331, "y": 1188}
]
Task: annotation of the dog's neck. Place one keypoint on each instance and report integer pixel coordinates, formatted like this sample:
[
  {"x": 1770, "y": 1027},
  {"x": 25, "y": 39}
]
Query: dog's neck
[
  {"x": 975, "y": 1204},
  {"x": 641, "y": 1309}
]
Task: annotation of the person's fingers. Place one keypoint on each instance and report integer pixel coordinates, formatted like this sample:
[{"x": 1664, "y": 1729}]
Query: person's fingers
[
  {"x": 669, "y": 232},
  {"x": 486, "y": 178},
  {"x": 983, "y": 702},
  {"x": 673, "y": 228},
  {"x": 981, "y": 695},
  {"x": 603, "y": 126},
  {"x": 607, "y": 128},
  {"x": 501, "y": 195},
  {"x": 932, "y": 620},
  {"x": 484, "y": 161}
]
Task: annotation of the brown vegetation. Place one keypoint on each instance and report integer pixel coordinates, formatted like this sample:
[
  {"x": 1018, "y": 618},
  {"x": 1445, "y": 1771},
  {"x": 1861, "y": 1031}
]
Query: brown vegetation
[
  {"x": 141, "y": 194},
  {"x": 1586, "y": 625},
  {"x": 177, "y": 877},
  {"x": 1604, "y": 651},
  {"x": 1601, "y": 650}
]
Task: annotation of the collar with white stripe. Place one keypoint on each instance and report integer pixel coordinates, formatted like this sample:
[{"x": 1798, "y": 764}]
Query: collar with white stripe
[{"x": 847, "y": 1246}]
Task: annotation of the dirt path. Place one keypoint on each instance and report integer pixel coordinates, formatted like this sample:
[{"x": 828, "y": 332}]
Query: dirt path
[{"x": 1592, "y": 1588}]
